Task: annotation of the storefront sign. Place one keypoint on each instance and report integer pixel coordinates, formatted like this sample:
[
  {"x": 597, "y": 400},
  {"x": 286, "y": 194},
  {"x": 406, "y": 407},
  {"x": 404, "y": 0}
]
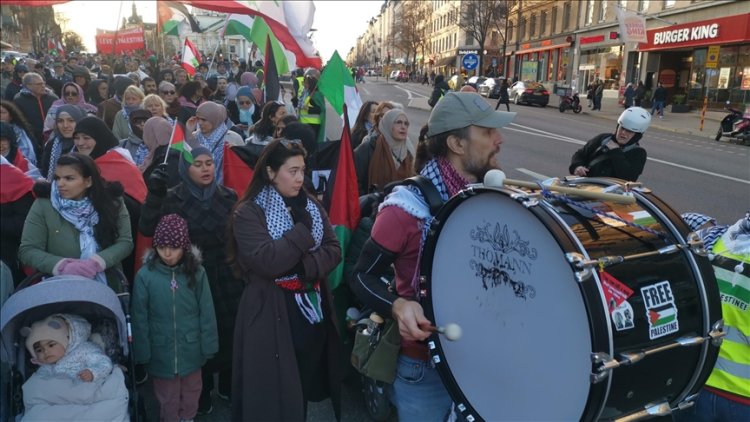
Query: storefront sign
[
  {"x": 591, "y": 40},
  {"x": 724, "y": 78},
  {"x": 127, "y": 40},
  {"x": 712, "y": 59},
  {"x": 632, "y": 26},
  {"x": 709, "y": 32},
  {"x": 463, "y": 52}
]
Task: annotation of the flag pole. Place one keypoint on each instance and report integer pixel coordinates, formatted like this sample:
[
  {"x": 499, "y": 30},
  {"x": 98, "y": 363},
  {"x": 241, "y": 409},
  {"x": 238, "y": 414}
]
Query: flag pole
[{"x": 169, "y": 145}]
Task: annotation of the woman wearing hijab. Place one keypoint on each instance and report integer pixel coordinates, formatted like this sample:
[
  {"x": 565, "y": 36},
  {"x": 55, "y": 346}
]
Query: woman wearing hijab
[
  {"x": 282, "y": 245},
  {"x": 206, "y": 205},
  {"x": 71, "y": 94},
  {"x": 134, "y": 143},
  {"x": 243, "y": 111},
  {"x": 156, "y": 135},
  {"x": 98, "y": 92},
  {"x": 392, "y": 157},
  {"x": 61, "y": 140},
  {"x": 250, "y": 80},
  {"x": 207, "y": 129},
  {"x": 78, "y": 224},
  {"x": 11, "y": 115},
  {"x": 94, "y": 139}
]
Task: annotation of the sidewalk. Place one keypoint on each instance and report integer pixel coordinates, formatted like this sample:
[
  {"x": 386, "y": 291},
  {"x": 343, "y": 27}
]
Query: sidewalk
[{"x": 685, "y": 123}]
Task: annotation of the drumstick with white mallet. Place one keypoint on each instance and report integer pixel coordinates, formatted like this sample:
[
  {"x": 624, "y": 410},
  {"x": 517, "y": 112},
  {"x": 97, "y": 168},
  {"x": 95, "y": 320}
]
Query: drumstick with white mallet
[
  {"x": 451, "y": 331},
  {"x": 496, "y": 178}
]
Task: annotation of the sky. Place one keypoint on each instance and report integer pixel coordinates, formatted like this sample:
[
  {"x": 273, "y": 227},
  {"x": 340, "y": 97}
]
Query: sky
[{"x": 337, "y": 23}]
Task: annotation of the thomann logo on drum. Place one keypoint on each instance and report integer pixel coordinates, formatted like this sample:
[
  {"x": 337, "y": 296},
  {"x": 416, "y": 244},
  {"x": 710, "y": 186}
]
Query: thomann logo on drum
[{"x": 661, "y": 311}]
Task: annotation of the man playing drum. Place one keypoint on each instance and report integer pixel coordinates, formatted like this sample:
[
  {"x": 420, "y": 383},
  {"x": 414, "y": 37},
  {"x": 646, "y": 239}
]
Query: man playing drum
[{"x": 464, "y": 143}]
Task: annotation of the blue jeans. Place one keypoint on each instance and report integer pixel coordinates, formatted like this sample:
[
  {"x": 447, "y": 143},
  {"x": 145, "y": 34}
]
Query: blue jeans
[
  {"x": 710, "y": 407},
  {"x": 659, "y": 106},
  {"x": 418, "y": 392}
]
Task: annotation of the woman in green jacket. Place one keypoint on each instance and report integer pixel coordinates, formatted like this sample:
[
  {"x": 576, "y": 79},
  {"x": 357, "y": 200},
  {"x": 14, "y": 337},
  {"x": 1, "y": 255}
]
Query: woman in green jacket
[{"x": 78, "y": 225}]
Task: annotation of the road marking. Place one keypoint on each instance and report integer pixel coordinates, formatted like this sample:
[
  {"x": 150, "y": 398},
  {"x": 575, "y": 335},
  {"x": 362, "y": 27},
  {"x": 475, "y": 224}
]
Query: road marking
[
  {"x": 409, "y": 93},
  {"x": 534, "y": 175},
  {"x": 545, "y": 134}
]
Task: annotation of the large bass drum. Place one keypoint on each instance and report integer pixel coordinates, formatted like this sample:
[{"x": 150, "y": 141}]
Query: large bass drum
[{"x": 548, "y": 333}]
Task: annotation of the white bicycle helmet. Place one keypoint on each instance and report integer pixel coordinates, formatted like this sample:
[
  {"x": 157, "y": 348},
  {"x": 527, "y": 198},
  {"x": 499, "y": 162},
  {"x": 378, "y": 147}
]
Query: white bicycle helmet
[{"x": 635, "y": 119}]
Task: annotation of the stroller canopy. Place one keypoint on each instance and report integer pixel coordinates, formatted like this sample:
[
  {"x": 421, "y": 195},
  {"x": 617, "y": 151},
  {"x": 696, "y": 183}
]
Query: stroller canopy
[{"x": 60, "y": 294}]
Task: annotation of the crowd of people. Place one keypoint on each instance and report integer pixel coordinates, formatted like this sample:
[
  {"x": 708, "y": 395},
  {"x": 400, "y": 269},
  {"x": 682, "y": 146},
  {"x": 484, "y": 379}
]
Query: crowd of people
[{"x": 229, "y": 274}]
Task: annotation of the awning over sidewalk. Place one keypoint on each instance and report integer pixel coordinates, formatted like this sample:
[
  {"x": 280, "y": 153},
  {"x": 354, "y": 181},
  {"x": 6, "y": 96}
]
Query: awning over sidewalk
[{"x": 446, "y": 61}]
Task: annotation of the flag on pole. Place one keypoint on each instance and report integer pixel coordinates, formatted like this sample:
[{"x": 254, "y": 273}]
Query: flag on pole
[
  {"x": 51, "y": 47},
  {"x": 256, "y": 30},
  {"x": 344, "y": 209},
  {"x": 60, "y": 49},
  {"x": 174, "y": 19},
  {"x": 271, "y": 85},
  {"x": 338, "y": 87},
  {"x": 190, "y": 58},
  {"x": 179, "y": 143}
]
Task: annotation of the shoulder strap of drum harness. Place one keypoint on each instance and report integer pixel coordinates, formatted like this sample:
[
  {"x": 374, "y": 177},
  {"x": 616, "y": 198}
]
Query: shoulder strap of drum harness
[{"x": 602, "y": 149}]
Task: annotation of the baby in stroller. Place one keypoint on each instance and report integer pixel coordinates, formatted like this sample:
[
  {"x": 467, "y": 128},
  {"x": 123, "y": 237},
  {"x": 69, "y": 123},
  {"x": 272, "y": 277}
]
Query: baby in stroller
[
  {"x": 59, "y": 344},
  {"x": 75, "y": 379}
]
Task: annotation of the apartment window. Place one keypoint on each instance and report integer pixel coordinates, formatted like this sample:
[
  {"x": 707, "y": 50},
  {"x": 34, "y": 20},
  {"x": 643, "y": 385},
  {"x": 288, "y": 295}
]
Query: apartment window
[
  {"x": 469, "y": 40},
  {"x": 553, "y": 20},
  {"x": 455, "y": 40},
  {"x": 511, "y": 31},
  {"x": 642, "y": 5},
  {"x": 566, "y": 16},
  {"x": 669, "y": 3},
  {"x": 602, "y": 10},
  {"x": 590, "y": 5},
  {"x": 543, "y": 24},
  {"x": 494, "y": 38},
  {"x": 522, "y": 29},
  {"x": 532, "y": 26}
]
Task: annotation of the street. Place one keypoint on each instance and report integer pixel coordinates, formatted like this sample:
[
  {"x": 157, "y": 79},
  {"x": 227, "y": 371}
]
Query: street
[{"x": 689, "y": 172}]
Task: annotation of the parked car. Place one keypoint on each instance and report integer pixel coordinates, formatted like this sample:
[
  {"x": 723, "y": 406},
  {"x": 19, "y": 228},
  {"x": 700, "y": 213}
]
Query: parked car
[
  {"x": 11, "y": 53},
  {"x": 394, "y": 74},
  {"x": 491, "y": 88},
  {"x": 528, "y": 92},
  {"x": 475, "y": 81}
]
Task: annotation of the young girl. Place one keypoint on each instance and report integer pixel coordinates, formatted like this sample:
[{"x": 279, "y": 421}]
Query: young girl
[{"x": 174, "y": 325}]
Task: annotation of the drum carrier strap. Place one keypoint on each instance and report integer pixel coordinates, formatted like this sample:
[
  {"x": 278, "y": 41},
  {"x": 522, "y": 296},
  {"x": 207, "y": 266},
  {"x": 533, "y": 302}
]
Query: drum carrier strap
[{"x": 425, "y": 186}]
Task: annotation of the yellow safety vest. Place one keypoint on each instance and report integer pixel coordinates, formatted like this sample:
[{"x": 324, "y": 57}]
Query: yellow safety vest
[
  {"x": 732, "y": 370},
  {"x": 300, "y": 86},
  {"x": 304, "y": 114}
]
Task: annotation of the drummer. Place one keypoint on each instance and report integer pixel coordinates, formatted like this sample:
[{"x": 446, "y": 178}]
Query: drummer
[{"x": 464, "y": 143}]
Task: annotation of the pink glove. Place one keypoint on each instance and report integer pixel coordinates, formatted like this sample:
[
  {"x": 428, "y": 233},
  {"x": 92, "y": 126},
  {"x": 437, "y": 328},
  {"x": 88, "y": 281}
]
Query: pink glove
[
  {"x": 83, "y": 267},
  {"x": 60, "y": 267}
]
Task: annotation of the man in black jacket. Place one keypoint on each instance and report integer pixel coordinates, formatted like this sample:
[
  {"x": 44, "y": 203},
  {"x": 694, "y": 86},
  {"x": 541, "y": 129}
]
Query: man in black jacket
[
  {"x": 615, "y": 155},
  {"x": 34, "y": 101}
]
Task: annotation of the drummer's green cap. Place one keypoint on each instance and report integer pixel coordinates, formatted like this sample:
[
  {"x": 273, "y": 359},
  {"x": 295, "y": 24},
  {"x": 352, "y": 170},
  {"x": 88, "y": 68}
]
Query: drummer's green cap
[{"x": 458, "y": 110}]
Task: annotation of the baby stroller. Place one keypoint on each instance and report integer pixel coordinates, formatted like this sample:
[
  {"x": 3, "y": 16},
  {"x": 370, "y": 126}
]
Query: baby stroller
[{"x": 34, "y": 300}]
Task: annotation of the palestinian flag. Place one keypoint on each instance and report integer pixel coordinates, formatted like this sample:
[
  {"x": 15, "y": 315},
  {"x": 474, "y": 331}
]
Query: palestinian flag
[
  {"x": 237, "y": 168},
  {"x": 256, "y": 30},
  {"x": 344, "y": 209},
  {"x": 190, "y": 58},
  {"x": 662, "y": 315},
  {"x": 174, "y": 19},
  {"x": 271, "y": 84},
  {"x": 14, "y": 183},
  {"x": 113, "y": 166},
  {"x": 179, "y": 143},
  {"x": 338, "y": 87}
]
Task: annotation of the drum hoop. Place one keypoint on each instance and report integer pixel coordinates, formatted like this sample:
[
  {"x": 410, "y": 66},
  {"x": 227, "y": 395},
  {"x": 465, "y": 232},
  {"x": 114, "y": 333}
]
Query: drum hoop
[{"x": 649, "y": 201}]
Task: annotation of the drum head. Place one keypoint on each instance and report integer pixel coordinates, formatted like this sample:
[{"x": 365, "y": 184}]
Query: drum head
[{"x": 495, "y": 269}]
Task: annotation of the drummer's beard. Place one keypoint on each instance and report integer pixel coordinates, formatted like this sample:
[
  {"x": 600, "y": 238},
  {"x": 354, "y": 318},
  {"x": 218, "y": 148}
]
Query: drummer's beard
[{"x": 479, "y": 169}]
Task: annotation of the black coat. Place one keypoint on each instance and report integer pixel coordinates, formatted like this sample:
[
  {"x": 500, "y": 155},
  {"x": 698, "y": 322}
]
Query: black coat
[
  {"x": 35, "y": 110},
  {"x": 441, "y": 88},
  {"x": 623, "y": 163},
  {"x": 362, "y": 156},
  {"x": 12, "y": 217}
]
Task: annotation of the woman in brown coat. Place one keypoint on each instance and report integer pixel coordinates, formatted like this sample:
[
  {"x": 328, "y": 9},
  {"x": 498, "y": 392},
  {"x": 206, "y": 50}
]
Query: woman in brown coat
[{"x": 286, "y": 346}]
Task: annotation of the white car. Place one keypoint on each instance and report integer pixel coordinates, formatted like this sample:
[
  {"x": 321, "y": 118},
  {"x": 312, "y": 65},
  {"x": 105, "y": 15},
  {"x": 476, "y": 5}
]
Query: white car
[
  {"x": 394, "y": 74},
  {"x": 16, "y": 54}
]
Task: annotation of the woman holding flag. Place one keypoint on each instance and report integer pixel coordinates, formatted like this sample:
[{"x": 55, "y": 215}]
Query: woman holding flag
[{"x": 206, "y": 205}]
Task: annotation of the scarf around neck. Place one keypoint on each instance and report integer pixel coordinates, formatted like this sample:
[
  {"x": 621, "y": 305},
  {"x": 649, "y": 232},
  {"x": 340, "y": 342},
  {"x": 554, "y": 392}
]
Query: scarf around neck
[
  {"x": 278, "y": 222},
  {"x": 214, "y": 142},
  {"x": 82, "y": 215}
]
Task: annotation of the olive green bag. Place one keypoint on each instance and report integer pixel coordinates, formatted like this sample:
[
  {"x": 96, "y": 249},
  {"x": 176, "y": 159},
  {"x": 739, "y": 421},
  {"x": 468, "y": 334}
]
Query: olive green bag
[{"x": 376, "y": 356}]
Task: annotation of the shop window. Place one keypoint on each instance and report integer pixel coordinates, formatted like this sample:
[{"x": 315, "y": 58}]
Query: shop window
[
  {"x": 590, "y": 5},
  {"x": 553, "y": 20},
  {"x": 566, "y": 16},
  {"x": 543, "y": 24},
  {"x": 532, "y": 26},
  {"x": 728, "y": 56}
]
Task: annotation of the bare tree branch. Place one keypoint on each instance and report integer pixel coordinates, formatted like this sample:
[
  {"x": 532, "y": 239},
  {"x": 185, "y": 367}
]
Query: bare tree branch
[{"x": 478, "y": 17}]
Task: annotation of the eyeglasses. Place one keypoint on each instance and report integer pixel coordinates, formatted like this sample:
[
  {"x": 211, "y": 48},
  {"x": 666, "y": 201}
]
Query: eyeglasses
[
  {"x": 71, "y": 93},
  {"x": 168, "y": 92},
  {"x": 291, "y": 143},
  {"x": 244, "y": 102}
]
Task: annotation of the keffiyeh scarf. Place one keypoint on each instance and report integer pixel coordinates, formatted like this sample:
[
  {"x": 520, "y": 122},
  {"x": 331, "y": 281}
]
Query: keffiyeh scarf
[
  {"x": 215, "y": 143},
  {"x": 82, "y": 215},
  {"x": 278, "y": 222},
  {"x": 55, "y": 153},
  {"x": 140, "y": 154}
]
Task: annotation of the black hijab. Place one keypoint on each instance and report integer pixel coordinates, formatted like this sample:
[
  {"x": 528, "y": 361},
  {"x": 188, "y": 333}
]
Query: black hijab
[{"x": 97, "y": 129}]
